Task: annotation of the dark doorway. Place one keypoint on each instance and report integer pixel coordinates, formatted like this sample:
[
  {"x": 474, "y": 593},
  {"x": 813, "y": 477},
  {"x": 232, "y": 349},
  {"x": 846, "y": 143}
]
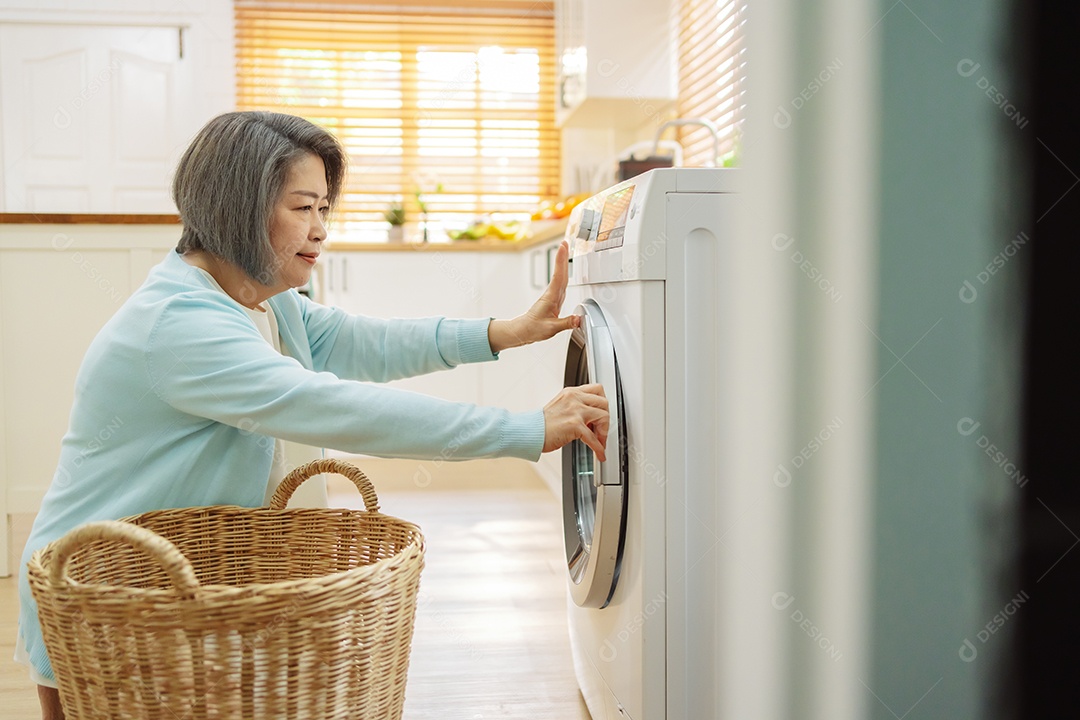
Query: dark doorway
[{"x": 1046, "y": 665}]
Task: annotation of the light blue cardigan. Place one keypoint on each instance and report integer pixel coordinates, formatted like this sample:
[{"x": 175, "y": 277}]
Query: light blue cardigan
[{"x": 179, "y": 398}]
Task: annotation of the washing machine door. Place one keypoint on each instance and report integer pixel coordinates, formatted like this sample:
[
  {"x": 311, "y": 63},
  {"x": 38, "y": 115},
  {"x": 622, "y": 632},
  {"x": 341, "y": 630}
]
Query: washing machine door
[{"x": 594, "y": 493}]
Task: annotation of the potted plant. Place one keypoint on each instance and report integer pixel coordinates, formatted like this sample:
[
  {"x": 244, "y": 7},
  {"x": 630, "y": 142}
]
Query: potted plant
[
  {"x": 395, "y": 215},
  {"x": 419, "y": 183}
]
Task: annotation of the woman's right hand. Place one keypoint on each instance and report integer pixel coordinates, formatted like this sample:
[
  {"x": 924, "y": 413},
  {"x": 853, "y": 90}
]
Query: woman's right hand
[{"x": 577, "y": 413}]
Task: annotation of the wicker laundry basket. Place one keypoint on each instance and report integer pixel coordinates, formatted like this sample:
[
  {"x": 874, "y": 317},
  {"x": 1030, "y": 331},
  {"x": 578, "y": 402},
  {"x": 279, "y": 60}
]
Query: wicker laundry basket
[{"x": 229, "y": 612}]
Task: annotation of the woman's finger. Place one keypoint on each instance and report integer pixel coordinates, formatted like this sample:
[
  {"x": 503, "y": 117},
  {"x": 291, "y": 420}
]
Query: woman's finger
[
  {"x": 600, "y": 419},
  {"x": 589, "y": 438},
  {"x": 561, "y": 273},
  {"x": 597, "y": 421},
  {"x": 601, "y": 425},
  {"x": 593, "y": 400},
  {"x": 564, "y": 323},
  {"x": 593, "y": 389},
  {"x": 603, "y": 437}
]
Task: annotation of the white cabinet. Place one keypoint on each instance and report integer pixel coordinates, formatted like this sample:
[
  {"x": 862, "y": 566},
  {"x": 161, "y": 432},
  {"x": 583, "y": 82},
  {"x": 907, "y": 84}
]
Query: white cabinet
[
  {"x": 524, "y": 378},
  {"x": 460, "y": 284},
  {"x": 98, "y": 100},
  {"x": 408, "y": 284},
  {"x": 615, "y": 61},
  {"x": 58, "y": 287},
  {"x": 98, "y": 117}
]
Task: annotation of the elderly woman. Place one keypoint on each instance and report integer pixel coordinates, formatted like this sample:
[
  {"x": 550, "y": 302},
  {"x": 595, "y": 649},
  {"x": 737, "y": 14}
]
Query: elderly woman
[{"x": 216, "y": 358}]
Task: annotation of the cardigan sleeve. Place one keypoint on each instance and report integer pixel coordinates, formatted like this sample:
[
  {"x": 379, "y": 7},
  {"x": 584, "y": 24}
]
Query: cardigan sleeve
[
  {"x": 206, "y": 359},
  {"x": 364, "y": 348}
]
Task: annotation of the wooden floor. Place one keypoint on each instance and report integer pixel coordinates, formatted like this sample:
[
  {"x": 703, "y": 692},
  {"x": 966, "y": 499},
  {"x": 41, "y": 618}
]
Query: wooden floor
[{"x": 491, "y": 639}]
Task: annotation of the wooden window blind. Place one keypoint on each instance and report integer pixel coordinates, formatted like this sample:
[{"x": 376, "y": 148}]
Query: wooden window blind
[
  {"x": 453, "y": 100},
  {"x": 712, "y": 73}
]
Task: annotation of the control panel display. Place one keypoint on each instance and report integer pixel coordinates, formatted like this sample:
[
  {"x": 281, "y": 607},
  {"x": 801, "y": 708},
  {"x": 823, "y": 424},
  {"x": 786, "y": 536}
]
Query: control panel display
[{"x": 613, "y": 219}]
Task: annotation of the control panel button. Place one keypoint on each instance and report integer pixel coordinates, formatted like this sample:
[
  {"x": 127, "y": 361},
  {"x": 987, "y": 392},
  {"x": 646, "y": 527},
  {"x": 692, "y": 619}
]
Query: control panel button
[{"x": 588, "y": 221}]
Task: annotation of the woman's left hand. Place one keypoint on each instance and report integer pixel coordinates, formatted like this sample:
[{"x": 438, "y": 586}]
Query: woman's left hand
[{"x": 542, "y": 320}]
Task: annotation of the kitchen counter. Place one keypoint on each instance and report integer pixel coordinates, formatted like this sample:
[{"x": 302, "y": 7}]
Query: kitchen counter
[
  {"x": 7, "y": 218},
  {"x": 543, "y": 231}
]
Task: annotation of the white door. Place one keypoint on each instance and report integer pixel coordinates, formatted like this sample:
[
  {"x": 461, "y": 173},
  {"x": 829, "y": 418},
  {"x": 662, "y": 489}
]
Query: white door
[
  {"x": 92, "y": 119},
  {"x": 594, "y": 493}
]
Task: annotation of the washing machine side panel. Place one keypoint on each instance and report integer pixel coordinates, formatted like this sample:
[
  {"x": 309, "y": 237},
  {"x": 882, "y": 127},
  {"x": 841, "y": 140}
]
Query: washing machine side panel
[{"x": 699, "y": 267}]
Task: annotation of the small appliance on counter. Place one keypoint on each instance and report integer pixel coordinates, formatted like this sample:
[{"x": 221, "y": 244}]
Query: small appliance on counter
[{"x": 630, "y": 166}]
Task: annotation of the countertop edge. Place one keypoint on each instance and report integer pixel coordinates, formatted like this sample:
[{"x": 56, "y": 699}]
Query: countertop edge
[
  {"x": 552, "y": 230},
  {"x": 543, "y": 233},
  {"x": 9, "y": 218}
]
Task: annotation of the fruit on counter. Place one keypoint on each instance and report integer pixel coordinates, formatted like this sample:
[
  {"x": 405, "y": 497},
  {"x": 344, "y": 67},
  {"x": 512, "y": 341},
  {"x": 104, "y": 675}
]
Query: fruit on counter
[
  {"x": 549, "y": 210},
  {"x": 510, "y": 230}
]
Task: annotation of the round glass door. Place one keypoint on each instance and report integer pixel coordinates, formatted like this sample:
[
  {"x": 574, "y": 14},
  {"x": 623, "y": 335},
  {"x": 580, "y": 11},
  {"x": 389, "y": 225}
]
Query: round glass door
[
  {"x": 585, "y": 502},
  {"x": 594, "y": 492}
]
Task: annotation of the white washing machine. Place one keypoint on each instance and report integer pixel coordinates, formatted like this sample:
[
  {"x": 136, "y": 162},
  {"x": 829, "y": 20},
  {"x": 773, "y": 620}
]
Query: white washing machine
[{"x": 647, "y": 275}]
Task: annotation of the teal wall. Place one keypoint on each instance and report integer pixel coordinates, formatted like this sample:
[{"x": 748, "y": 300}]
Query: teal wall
[{"x": 947, "y": 186}]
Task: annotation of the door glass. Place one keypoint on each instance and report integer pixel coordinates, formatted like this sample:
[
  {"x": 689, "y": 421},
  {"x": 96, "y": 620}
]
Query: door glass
[
  {"x": 584, "y": 492},
  {"x": 584, "y": 474}
]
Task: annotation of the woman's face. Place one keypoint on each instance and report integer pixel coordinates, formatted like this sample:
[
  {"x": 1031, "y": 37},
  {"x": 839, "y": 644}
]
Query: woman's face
[{"x": 297, "y": 226}]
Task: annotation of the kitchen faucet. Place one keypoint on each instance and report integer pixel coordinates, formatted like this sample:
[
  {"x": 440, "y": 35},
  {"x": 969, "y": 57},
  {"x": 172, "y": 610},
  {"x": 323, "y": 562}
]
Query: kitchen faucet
[{"x": 707, "y": 124}]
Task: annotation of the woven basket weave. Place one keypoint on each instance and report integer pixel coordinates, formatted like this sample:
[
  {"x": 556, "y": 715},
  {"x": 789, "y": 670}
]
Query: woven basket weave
[{"x": 229, "y": 612}]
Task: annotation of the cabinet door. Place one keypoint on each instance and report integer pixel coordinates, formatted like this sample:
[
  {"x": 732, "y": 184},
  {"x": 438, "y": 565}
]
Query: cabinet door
[
  {"x": 327, "y": 279},
  {"x": 460, "y": 284},
  {"x": 570, "y": 59},
  {"x": 525, "y": 378},
  {"x": 94, "y": 117},
  {"x": 424, "y": 283},
  {"x": 56, "y": 292},
  {"x": 615, "y": 62}
]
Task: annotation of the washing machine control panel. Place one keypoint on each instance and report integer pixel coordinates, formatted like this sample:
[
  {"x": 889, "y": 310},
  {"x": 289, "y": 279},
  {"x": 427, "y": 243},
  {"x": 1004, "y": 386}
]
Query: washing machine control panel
[
  {"x": 601, "y": 223},
  {"x": 587, "y": 224},
  {"x": 606, "y": 233},
  {"x": 613, "y": 217},
  {"x": 621, "y": 234}
]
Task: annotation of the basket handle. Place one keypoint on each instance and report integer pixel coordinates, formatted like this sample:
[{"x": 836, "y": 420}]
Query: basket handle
[
  {"x": 172, "y": 561},
  {"x": 317, "y": 467}
]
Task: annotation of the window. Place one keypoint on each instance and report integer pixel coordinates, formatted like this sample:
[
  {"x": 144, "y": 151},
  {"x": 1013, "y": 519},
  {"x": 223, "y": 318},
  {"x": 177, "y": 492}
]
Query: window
[
  {"x": 712, "y": 73},
  {"x": 453, "y": 102}
]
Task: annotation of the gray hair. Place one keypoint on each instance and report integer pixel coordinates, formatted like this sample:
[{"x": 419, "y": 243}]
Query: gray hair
[{"x": 232, "y": 175}]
